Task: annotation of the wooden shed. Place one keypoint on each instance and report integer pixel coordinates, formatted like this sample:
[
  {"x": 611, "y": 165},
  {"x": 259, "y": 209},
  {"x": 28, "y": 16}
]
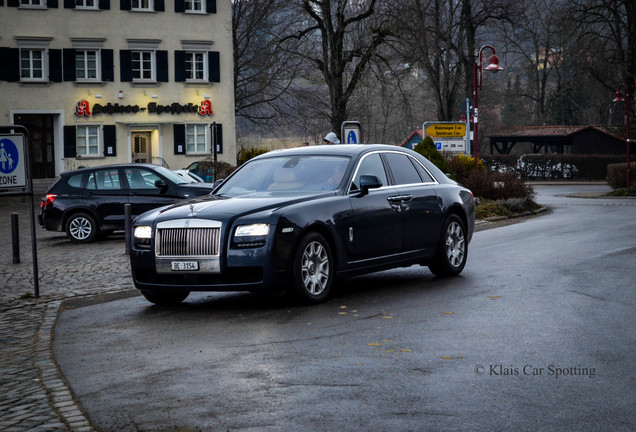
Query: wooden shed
[{"x": 560, "y": 139}]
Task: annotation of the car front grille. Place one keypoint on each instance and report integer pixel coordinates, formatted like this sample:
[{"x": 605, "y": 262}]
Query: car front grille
[{"x": 188, "y": 241}]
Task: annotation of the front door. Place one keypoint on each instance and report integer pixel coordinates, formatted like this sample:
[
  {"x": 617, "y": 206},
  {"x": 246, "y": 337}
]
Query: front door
[
  {"x": 141, "y": 147},
  {"x": 40, "y": 127}
]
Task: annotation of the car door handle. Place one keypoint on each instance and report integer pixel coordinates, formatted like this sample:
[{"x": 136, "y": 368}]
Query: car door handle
[{"x": 399, "y": 198}]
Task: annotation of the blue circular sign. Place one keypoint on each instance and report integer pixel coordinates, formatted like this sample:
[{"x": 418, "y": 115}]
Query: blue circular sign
[{"x": 9, "y": 156}]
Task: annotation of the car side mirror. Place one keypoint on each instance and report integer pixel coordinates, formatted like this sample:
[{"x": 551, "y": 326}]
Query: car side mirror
[
  {"x": 161, "y": 184},
  {"x": 368, "y": 182}
]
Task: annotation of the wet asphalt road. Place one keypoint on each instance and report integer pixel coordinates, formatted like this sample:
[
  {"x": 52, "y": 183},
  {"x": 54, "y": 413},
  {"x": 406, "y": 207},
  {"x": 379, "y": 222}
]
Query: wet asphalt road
[{"x": 536, "y": 334}]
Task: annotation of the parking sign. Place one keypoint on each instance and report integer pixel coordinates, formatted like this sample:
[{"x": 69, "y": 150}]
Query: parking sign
[{"x": 12, "y": 162}]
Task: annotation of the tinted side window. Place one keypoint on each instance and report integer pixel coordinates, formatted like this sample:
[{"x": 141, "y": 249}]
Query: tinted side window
[
  {"x": 370, "y": 165},
  {"x": 75, "y": 181},
  {"x": 426, "y": 177},
  {"x": 141, "y": 178},
  {"x": 403, "y": 170},
  {"x": 104, "y": 180}
]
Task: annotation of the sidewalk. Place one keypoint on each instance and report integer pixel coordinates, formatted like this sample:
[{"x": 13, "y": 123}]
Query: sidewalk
[{"x": 35, "y": 395}]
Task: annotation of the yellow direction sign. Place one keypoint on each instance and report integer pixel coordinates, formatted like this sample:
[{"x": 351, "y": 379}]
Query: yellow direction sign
[{"x": 446, "y": 130}]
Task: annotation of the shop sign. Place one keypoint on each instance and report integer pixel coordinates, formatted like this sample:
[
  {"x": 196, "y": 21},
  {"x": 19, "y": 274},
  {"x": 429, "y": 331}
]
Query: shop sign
[{"x": 84, "y": 109}]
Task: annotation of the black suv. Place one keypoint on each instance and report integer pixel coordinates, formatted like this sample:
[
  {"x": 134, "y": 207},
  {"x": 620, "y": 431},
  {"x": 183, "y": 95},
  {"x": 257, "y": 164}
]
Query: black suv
[{"x": 90, "y": 201}]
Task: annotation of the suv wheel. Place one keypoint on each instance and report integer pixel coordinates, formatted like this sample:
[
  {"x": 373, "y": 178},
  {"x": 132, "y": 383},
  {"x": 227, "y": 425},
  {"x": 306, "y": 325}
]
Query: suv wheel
[{"x": 81, "y": 228}]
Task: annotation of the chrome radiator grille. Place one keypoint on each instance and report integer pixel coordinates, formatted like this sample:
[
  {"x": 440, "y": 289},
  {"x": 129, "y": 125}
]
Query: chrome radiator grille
[{"x": 188, "y": 238}]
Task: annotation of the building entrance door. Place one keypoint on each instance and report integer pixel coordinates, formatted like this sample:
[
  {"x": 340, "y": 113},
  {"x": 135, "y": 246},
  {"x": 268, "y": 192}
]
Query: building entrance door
[
  {"x": 40, "y": 127},
  {"x": 141, "y": 147}
]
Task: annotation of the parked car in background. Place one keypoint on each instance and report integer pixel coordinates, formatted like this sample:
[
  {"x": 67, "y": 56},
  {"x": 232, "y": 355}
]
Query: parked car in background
[
  {"x": 538, "y": 167},
  {"x": 188, "y": 175},
  {"x": 297, "y": 219},
  {"x": 90, "y": 201},
  {"x": 201, "y": 169}
]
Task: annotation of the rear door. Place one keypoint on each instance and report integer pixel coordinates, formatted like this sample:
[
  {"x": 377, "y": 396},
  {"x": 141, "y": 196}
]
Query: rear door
[
  {"x": 419, "y": 204},
  {"x": 105, "y": 193}
]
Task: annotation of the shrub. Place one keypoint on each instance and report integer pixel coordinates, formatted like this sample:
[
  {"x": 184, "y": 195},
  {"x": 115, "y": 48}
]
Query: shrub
[
  {"x": 495, "y": 185},
  {"x": 427, "y": 149},
  {"x": 246, "y": 154},
  {"x": 462, "y": 166},
  {"x": 617, "y": 174}
]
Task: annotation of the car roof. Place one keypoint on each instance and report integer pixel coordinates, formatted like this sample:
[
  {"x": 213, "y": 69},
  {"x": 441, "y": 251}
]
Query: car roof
[
  {"x": 124, "y": 165},
  {"x": 335, "y": 149}
]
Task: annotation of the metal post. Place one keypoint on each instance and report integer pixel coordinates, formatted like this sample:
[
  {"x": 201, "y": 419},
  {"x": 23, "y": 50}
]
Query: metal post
[
  {"x": 15, "y": 238},
  {"x": 127, "y": 226}
]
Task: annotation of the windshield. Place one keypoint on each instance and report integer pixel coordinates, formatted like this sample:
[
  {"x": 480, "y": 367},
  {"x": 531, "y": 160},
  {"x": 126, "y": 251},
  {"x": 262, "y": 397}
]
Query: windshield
[
  {"x": 295, "y": 174},
  {"x": 171, "y": 175}
]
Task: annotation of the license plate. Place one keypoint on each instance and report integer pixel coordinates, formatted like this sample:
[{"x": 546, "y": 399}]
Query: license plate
[{"x": 184, "y": 265}]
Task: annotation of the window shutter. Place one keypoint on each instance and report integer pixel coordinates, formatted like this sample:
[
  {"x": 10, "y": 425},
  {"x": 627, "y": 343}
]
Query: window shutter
[
  {"x": 55, "y": 65},
  {"x": 52, "y": 4},
  {"x": 214, "y": 66},
  {"x": 68, "y": 62},
  {"x": 162, "y": 66},
  {"x": 110, "y": 141},
  {"x": 13, "y": 3},
  {"x": 69, "y": 4},
  {"x": 179, "y": 139},
  {"x": 179, "y": 66},
  {"x": 108, "y": 68},
  {"x": 160, "y": 6},
  {"x": 125, "y": 65},
  {"x": 70, "y": 149},
  {"x": 210, "y": 6},
  {"x": 104, "y": 4},
  {"x": 10, "y": 64},
  {"x": 125, "y": 4},
  {"x": 179, "y": 5}
]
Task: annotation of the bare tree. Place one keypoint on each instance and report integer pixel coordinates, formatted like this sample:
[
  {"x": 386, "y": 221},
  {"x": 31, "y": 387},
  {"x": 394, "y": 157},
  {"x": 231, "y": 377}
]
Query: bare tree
[
  {"x": 263, "y": 72},
  {"x": 339, "y": 38}
]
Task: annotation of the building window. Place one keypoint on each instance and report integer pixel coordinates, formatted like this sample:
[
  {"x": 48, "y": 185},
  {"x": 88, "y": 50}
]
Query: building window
[
  {"x": 87, "y": 141},
  {"x": 31, "y": 3},
  {"x": 142, "y": 5},
  {"x": 194, "y": 6},
  {"x": 87, "y": 65},
  {"x": 196, "y": 66},
  {"x": 86, "y": 4},
  {"x": 196, "y": 137},
  {"x": 143, "y": 65},
  {"x": 32, "y": 65}
]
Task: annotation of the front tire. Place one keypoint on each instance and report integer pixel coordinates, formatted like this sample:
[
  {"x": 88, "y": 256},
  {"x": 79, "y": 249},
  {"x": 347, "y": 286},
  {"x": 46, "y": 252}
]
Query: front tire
[
  {"x": 313, "y": 269},
  {"x": 165, "y": 298},
  {"x": 453, "y": 248},
  {"x": 81, "y": 228}
]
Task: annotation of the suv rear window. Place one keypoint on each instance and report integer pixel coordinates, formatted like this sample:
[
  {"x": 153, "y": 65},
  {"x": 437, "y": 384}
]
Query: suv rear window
[{"x": 75, "y": 181}]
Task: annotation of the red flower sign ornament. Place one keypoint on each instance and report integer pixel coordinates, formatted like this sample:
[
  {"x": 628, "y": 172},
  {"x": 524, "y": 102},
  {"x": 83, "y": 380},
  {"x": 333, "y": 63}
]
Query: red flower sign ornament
[
  {"x": 206, "y": 108},
  {"x": 83, "y": 108}
]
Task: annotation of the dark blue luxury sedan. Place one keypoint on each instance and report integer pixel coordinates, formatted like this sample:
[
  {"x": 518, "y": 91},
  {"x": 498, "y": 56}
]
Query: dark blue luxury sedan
[{"x": 294, "y": 220}]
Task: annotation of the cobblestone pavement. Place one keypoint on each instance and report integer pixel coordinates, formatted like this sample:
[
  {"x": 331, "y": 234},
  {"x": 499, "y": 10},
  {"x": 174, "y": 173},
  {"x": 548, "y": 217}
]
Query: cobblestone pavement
[{"x": 35, "y": 396}]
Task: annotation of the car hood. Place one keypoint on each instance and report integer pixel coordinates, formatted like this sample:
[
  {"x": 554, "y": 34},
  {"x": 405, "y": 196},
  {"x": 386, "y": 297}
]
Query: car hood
[{"x": 219, "y": 207}]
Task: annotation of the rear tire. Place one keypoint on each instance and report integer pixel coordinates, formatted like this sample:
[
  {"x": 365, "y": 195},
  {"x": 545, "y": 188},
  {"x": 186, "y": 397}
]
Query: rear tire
[
  {"x": 453, "y": 248},
  {"x": 313, "y": 269},
  {"x": 81, "y": 228},
  {"x": 165, "y": 297}
]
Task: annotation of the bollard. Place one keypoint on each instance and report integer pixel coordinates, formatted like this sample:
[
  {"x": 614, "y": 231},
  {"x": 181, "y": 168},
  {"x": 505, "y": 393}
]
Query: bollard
[
  {"x": 15, "y": 238},
  {"x": 127, "y": 225}
]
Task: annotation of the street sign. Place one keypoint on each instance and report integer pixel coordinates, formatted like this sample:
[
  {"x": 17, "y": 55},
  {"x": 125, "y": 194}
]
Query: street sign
[
  {"x": 446, "y": 130},
  {"x": 351, "y": 132},
  {"x": 13, "y": 166}
]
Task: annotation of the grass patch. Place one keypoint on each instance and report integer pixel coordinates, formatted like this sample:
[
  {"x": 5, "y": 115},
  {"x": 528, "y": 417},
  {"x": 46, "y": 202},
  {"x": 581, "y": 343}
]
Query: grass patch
[
  {"x": 623, "y": 192},
  {"x": 507, "y": 208}
]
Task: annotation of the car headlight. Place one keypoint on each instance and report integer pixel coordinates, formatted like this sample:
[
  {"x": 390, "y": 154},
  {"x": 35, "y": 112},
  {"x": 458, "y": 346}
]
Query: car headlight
[
  {"x": 142, "y": 232},
  {"x": 254, "y": 230},
  {"x": 142, "y": 236}
]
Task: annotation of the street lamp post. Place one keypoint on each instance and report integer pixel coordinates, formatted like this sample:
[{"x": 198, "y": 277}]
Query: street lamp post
[
  {"x": 492, "y": 67},
  {"x": 619, "y": 98}
]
